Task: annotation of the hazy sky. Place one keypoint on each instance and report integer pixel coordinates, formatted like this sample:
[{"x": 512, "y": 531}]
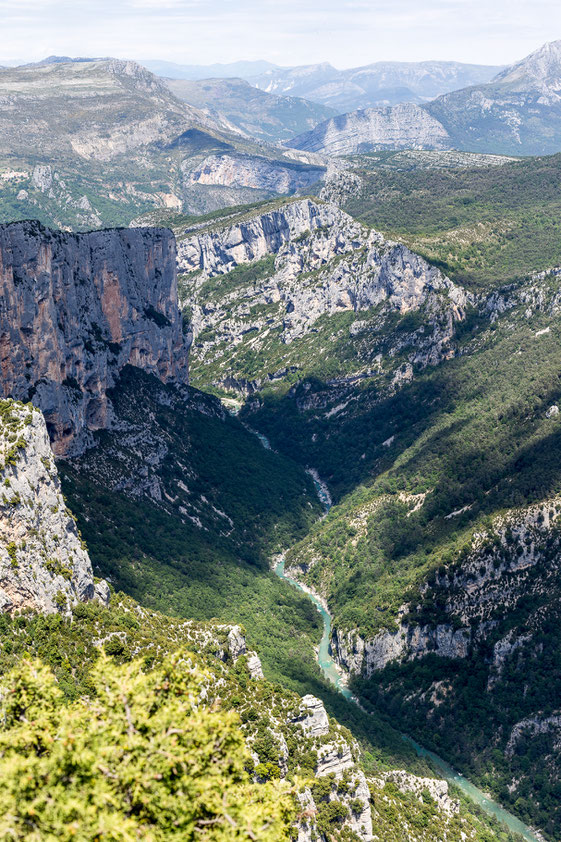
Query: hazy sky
[{"x": 344, "y": 32}]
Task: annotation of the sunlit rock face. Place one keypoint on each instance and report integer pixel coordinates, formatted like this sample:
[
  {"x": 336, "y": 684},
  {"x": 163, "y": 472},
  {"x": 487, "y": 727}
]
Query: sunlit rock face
[
  {"x": 43, "y": 564},
  {"x": 75, "y": 309}
]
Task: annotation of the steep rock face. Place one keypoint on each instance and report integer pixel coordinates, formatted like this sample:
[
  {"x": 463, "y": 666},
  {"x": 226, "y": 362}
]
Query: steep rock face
[
  {"x": 218, "y": 252},
  {"x": 366, "y": 656},
  {"x": 75, "y": 309},
  {"x": 405, "y": 126},
  {"x": 438, "y": 790},
  {"x": 224, "y": 179},
  {"x": 325, "y": 263},
  {"x": 43, "y": 565},
  {"x": 514, "y": 561},
  {"x": 337, "y": 758}
]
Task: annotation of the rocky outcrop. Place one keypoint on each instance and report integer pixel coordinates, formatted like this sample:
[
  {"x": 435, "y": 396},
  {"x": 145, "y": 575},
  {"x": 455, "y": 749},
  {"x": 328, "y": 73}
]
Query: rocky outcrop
[
  {"x": 511, "y": 562},
  {"x": 237, "y": 647},
  {"x": 325, "y": 263},
  {"x": 217, "y": 252},
  {"x": 404, "y": 126},
  {"x": 75, "y": 310},
  {"x": 533, "y": 726},
  {"x": 231, "y": 170},
  {"x": 436, "y": 789},
  {"x": 43, "y": 563},
  {"x": 359, "y": 656},
  {"x": 335, "y": 757},
  {"x": 313, "y": 718}
]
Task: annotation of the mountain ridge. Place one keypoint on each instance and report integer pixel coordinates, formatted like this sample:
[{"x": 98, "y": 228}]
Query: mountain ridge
[{"x": 518, "y": 112}]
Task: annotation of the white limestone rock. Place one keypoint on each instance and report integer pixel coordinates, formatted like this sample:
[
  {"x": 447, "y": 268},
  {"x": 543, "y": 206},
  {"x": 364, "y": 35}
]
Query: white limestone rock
[
  {"x": 313, "y": 717},
  {"x": 236, "y": 642},
  {"x": 404, "y": 126},
  {"x": 436, "y": 788},
  {"x": 43, "y": 563}
]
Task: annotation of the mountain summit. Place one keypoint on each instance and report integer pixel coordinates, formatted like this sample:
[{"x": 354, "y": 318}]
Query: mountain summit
[
  {"x": 540, "y": 70},
  {"x": 517, "y": 113}
]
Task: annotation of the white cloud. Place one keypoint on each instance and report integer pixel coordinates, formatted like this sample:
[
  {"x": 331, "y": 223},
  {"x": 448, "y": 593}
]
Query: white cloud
[{"x": 344, "y": 32}]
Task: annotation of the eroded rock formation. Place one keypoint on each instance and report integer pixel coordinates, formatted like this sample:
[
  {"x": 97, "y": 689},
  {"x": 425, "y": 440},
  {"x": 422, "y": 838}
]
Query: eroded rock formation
[
  {"x": 75, "y": 309},
  {"x": 44, "y": 565}
]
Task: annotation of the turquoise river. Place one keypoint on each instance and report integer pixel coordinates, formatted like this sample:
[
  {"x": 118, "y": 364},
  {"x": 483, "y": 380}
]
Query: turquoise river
[{"x": 330, "y": 671}]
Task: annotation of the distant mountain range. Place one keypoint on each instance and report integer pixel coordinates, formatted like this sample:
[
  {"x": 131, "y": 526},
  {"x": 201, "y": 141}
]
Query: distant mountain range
[
  {"x": 257, "y": 114},
  {"x": 90, "y": 143},
  {"x": 236, "y": 69},
  {"x": 518, "y": 112},
  {"x": 381, "y": 83}
]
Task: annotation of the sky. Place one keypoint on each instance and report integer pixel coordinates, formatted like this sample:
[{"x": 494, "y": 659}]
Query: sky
[{"x": 346, "y": 33}]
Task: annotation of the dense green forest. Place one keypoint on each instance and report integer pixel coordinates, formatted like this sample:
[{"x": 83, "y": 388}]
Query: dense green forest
[{"x": 482, "y": 226}]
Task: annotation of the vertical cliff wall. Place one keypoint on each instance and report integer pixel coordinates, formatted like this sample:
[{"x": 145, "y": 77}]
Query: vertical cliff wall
[
  {"x": 74, "y": 310},
  {"x": 43, "y": 564}
]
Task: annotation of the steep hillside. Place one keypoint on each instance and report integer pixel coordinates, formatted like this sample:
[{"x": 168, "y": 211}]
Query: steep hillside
[
  {"x": 483, "y": 226},
  {"x": 258, "y": 761},
  {"x": 77, "y": 308},
  {"x": 44, "y": 565},
  {"x": 91, "y": 331},
  {"x": 279, "y": 286},
  {"x": 124, "y": 698},
  {"x": 109, "y": 140},
  {"x": 254, "y": 112},
  {"x": 516, "y": 113},
  {"x": 427, "y": 405},
  {"x": 439, "y": 563},
  {"x": 405, "y": 126}
]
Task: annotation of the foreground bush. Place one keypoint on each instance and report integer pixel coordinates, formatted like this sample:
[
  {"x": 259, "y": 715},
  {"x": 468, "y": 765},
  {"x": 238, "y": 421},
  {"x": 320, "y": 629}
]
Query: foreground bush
[{"x": 142, "y": 759}]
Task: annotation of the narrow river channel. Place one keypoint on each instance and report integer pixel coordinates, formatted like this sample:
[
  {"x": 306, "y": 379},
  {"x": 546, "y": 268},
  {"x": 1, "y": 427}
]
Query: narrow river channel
[{"x": 330, "y": 671}]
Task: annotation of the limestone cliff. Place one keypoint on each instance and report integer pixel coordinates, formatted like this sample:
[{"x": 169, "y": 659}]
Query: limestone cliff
[
  {"x": 75, "y": 309},
  {"x": 311, "y": 262},
  {"x": 515, "y": 561},
  {"x": 405, "y": 126},
  {"x": 43, "y": 563}
]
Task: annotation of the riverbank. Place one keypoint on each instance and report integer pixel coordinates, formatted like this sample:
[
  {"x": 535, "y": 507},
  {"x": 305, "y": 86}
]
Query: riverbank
[{"x": 338, "y": 678}]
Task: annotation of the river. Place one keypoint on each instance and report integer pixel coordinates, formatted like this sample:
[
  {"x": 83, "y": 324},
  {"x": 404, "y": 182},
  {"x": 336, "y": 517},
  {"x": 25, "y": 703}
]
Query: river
[{"x": 334, "y": 675}]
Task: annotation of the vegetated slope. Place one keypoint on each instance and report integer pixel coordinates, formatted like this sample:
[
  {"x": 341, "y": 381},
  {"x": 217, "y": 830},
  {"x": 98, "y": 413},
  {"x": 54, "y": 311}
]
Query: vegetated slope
[
  {"x": 483, "y": 226},
  {"x": 447, "y": 549},
  {"x": 182, "y": 707},
  {"x": 380, "y": 83},
  {"x": 254, "y": 112},
  {"x": 182, "y": 507},
  {"x": 516, "y": 113},
  {"x": 270, "y": 289},
  {"x": 428, "y": 423},
  {"x": 136, "y": 699},
  {"x": 94, "y": 143},
  {"x": 92, "y": 332}
]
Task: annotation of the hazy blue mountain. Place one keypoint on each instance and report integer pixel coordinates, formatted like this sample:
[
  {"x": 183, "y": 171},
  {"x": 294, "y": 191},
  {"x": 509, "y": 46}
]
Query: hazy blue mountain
[
  {"x": 240, "y": 69},
  {"x": 256, "y": 113},
  {"x": 517, "y": 113},
  {"x": 381, "y": 83}
]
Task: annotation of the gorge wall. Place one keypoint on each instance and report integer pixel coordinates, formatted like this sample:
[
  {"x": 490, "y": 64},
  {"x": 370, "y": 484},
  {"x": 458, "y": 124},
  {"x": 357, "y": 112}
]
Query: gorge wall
[
  {"x": 44, "y": 565},
  {"x": 74, "y": 310},
  {"x": 469, "y": 603}
]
